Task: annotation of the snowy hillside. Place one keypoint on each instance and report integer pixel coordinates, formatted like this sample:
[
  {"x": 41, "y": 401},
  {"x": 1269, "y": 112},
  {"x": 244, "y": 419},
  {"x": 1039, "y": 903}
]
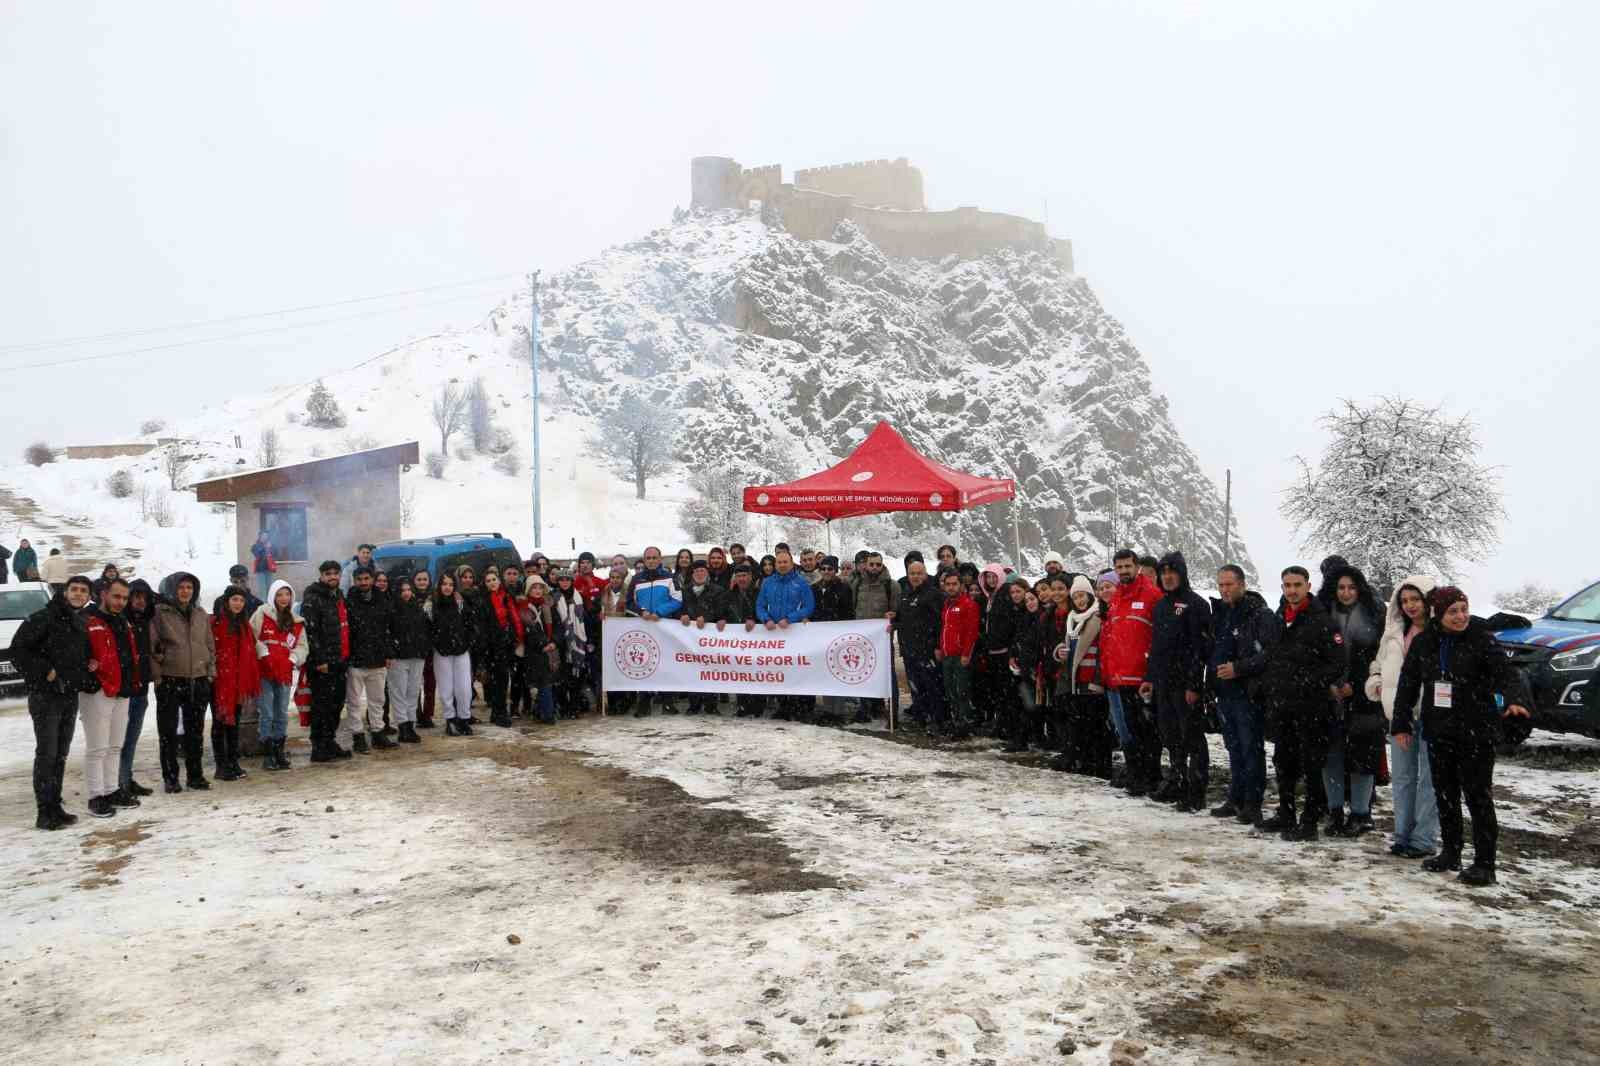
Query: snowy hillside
[{"x": 773, "y": 357}]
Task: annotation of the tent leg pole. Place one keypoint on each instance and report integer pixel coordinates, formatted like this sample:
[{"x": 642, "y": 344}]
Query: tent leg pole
[{"x": 894, "y": 687}]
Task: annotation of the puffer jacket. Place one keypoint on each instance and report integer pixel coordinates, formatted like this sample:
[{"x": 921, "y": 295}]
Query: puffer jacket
[
  {"x": 1304, "y": 662},
  {"x": 55, "y": 637},
  {"x": 181, "y": 644},
  {"x": 834, "y": 601},
  {"x": 116, "y": 653},
  {"x": 412, "y": 639},
  {"x": 1384, "y": 679},
  {"x": 785, "y": 596},
  {"x": 1126, "y": 632},
  {"x": 279, "y": 649},
  {"x": 1475, "y": 666},
  {"x": 327, "y": 625},
  {"x": 371, "y": 618},
  {"x": 451, "y": 625}
]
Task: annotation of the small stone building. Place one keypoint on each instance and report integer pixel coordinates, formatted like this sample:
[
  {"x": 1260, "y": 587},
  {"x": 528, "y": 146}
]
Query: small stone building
[{"x": 316, "y": 510}]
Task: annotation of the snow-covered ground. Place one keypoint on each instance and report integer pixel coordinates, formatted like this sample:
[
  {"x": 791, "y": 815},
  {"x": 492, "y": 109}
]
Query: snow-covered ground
[{"x": 686, "y": 890}]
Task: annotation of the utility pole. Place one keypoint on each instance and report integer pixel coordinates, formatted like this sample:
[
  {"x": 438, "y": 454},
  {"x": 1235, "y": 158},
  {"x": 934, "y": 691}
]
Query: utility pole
[
  {"x": 533, "y": 351},
  {"x": 1227, "y": 519},
  {"x": 1016, "y": 530}
]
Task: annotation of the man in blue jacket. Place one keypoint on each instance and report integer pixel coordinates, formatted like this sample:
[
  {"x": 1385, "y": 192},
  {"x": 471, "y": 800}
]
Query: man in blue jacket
[
  {"x": 653, "y": 594},
  {"x": 786, "y": 599},
  {"x": 1246, "y": 629},
  {"x": 1175, "y": 674}
]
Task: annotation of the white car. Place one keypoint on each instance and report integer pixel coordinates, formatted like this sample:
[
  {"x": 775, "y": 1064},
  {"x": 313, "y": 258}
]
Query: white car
[{"x": 17, "y": 602}]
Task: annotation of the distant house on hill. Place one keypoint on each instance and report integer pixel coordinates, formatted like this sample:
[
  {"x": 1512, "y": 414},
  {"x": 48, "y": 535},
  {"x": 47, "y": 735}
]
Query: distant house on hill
[{"x": 316, "y": 510}]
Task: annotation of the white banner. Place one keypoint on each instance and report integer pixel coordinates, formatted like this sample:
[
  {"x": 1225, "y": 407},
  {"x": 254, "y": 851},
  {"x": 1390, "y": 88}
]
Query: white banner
[{"x": 807, "y": 659}]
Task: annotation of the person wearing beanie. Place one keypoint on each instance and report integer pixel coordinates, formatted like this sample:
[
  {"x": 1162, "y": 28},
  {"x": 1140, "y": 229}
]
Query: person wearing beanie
[
  {"x": 703, "y": 601},
  {"x": 739, "y": 608},
  {"x": 1458, "y": 677},
  {"x": 238, "y": 678},
  {"x": 1079, "y": 693},
  {"x": 238, "y": 578},
  {"x": 834, "y": 603},
  {"x": 1054, "y": 564}
]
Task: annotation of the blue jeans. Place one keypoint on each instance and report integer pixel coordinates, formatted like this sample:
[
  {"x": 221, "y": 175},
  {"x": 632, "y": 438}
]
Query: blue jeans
[
  {"x": 138, "y": 703},
  {"x": 264, "y": 582},
  {"x": 1416, "y": 815},
  {"x": 1119, "y": 721},
  {"x": 547, "y": 705},
  {"x": 1361, "y": 786},
  {"x": 1247, "y": 753},
  {"x": 273, "y": 707}
]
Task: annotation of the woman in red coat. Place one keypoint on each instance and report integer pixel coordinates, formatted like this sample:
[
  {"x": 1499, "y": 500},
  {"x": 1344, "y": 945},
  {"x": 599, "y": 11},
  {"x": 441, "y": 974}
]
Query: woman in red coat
[{"x": 238, "y": 679}]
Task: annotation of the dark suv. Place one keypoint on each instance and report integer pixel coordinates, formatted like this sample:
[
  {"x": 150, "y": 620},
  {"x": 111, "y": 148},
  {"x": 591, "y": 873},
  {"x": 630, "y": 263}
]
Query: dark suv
[
  {"x": 440, "y": 554},
  {"x": 1560, "y": 656}
]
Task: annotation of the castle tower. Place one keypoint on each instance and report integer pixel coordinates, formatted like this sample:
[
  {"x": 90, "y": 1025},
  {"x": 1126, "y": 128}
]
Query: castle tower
[{"x": 713, "y": 182}]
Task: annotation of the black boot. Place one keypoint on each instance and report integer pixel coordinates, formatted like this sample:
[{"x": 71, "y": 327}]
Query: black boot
[
  {"x": 1305, "y": 832},
  {"x": 278, "y": 747},
  {"x": 47, "y": 818},
  {"x": 381, "y": 742},
  {"x": 196, "y": 774},
  {"x": 121, "y": 798},
  {"x": 136, "y": 789},
  {"x": 169, "y": 764},
  {"x": 269, "y": 755},
  {"x": 1170, "y": 792},
  {"x": 1357, "y": 825},
  {"x": 408, "y": 733},
  {"x": 233, "y": 750},
  {"x": 358, "y": 744},
  {"x": 1477, "y": 874},
  {"x": 1227, "y": 810},
  {"x": 1444, "y": 862},
  {"x": 464, "y": 727},
  {"x": 1336, "y": 823},
  {"x": 100, "y": 807},
  {"x": 450, "y": 729},
  {"x": 323, "y": 751},
  {"x": 1279, "y": 822},
  {"x": 219, "y": 751},
  {"x": 1248, "y": 815}
]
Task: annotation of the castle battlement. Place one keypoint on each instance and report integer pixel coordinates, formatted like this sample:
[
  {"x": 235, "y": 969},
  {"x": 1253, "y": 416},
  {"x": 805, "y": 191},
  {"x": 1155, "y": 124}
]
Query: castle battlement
[{"x": 882, "y": 196}]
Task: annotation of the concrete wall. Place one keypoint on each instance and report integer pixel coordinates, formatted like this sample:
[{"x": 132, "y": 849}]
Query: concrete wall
[
  {"x": 877, "y": 182},
  {"x": 108, "y": 451},
  {"x": 340, "y": 513}
]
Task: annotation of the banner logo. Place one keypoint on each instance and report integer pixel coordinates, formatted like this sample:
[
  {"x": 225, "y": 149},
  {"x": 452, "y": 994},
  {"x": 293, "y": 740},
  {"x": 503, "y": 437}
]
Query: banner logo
[
  {"x": 852, "y": 658},
  {"x": 637, "y": 654}
]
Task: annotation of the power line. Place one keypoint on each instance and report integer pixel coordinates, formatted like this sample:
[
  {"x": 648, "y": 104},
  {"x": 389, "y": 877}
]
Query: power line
[
  {"x": 237, "y": 336},
  {"x": 34, "y": 346}
]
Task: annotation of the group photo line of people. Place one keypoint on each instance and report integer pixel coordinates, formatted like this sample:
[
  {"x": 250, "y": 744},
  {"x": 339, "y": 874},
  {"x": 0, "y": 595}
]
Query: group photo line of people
[{"x": 1352, "y": 692}]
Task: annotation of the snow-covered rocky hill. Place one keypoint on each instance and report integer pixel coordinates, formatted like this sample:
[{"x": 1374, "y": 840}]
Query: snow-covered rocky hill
[{"x": 772, "y": 357}]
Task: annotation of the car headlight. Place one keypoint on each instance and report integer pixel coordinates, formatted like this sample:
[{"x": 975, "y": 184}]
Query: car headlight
[{"x": 1578, "y": 659}]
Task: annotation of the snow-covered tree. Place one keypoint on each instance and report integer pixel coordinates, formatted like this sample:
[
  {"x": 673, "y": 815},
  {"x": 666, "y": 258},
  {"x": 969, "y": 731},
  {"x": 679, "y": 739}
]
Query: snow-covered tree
[
  {"x": 1399, "y": 490},
  {"x": 322, "y": 408},
  {"x": 715, "y": 513},
  {"x": 1531, "y": 599},
  {"x": 480, "y": 416},
  {"x": 449, "y": 413},
  {"x": 636, "y": 440}
]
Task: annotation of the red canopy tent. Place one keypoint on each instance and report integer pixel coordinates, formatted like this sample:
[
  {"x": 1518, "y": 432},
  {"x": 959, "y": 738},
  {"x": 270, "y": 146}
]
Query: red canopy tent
[{"x": 884, "y": 473}]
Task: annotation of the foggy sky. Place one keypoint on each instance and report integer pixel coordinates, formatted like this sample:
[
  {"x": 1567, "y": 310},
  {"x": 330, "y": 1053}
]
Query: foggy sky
[{"x": 1284, "y": 205}]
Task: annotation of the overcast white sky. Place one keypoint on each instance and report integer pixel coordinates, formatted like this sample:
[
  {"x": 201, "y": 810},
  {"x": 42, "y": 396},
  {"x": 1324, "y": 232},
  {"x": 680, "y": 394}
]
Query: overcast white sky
[{"x": 1284, "y": 205}]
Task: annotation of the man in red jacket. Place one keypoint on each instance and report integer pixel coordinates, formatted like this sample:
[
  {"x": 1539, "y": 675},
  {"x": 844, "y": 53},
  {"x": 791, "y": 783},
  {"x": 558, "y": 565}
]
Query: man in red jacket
[
  {"x": 114, "y": 658},
  {"x": 958, "y": 636},
  {"x": 1124, "y": 647}
]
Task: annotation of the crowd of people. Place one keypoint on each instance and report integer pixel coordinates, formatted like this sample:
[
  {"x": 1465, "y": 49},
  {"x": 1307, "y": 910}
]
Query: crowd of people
[{"x": 1350, "y": 691}]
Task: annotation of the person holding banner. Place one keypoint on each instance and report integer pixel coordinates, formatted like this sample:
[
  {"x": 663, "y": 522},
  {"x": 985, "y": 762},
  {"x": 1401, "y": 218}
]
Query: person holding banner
[
  {"x": 654, "y": 595},
  {"x": 786, "y": 599},
  {"x": 703, "y": 601},
  {"x": 739, "y": 606}
]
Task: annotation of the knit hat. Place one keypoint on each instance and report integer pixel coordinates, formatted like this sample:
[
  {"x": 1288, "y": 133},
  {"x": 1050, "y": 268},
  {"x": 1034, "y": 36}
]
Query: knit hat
[
  {"x": 1442, "y": 598},
  {"x": 1054, "y": 557},
  {"x": 829, "y": 562},
  {"x": 1108, "y": 577},
  {"x": 1081, "y": 584}
]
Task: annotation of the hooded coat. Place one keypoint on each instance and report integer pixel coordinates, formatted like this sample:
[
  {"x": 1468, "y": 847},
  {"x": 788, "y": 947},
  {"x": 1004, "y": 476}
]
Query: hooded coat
[
  {"x": 412, "y": 639},
  {"x": 55, "y": 637},
  {"x": 1357, "y": 630},
  {"x": 25, "y": 560},
  {"x": 280, "y": 648},
  {"x": 1383, "y": 679},
  {"x": 140, "y": 621},
  {"x": 181, "y": 643},
  {"x": 1180, "y": 645},
  {"x": 327, "y": 625}
]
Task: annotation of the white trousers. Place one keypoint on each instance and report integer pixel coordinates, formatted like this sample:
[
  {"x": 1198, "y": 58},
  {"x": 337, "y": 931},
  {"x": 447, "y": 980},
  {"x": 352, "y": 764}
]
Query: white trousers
[
  {"x": 452, "y": 685},
  {"x": 405, "y": 686},
  {"x": 105, "y": 724},
  {"x": 363, "y": 702}
]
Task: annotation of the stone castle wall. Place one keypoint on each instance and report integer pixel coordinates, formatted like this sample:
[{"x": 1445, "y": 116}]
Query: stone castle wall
[{"x": 883, "y": 197}]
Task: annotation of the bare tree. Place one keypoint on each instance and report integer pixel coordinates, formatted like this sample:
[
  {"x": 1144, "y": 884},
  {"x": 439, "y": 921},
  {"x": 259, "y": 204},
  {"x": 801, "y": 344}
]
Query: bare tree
[
  {"x": 38, "y": 453},
  {"x": 267, "y": 449},
  {"x": 175, "y": 464},
  {"x": 449, "y": 413},
  {"x": 715, "y": 512},
  {"x": 1399, "y": 490},
  {"x": 480, "y": 417},
  {"x": 408, "y": 510},
  {"x": 636, "y": 440}
]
